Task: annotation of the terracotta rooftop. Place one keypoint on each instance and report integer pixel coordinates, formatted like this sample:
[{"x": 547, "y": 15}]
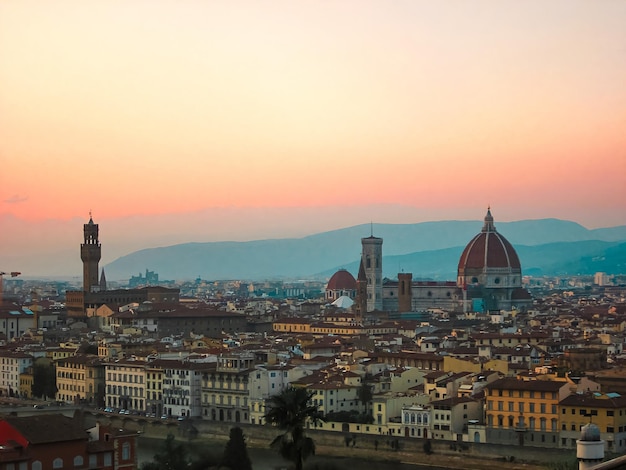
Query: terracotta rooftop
[{"x": 48, "y": 428}]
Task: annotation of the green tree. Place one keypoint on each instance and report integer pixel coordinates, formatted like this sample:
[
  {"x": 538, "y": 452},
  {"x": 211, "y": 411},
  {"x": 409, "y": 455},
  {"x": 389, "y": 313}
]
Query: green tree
[
  {"x": 289, "y": 411},
  {"x": 44, "y": 381},
  {"x": 365, "y": 396},
  {"x": 235, "y": 453},
  {"x": 171, "y": 456}
]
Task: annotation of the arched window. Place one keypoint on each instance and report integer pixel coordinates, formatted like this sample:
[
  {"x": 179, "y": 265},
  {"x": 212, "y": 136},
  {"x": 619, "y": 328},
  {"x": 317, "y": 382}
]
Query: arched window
[
  {"x": 36, "y": 465},
  {"x": 78, "y": 461},
  {"x": 57, "y": 463}
]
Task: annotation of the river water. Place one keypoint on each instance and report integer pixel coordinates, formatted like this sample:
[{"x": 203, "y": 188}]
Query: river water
[{"x": 268, "y": 459}]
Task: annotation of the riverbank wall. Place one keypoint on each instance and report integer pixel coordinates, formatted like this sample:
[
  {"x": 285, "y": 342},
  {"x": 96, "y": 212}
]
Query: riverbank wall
[{"x": 408, "y": 449}]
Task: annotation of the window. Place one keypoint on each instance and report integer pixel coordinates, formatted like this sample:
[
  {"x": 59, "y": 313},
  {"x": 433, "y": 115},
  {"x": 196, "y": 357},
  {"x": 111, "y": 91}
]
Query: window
[
  {"x": 126, "y": 451},
  {"x": 93, "y": 460},
  {"x": 36, "y": 465},
  {"x": 57, "y": 463},
  {"x": 78, "y": 461},
  {"x": 108, "y": 459}
]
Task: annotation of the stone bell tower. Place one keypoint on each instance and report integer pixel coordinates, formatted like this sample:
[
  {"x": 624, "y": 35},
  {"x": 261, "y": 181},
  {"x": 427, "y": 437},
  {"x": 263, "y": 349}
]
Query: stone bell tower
[
  {"x": 372, "y": 260},
  {"x": 90, "y": 253}
]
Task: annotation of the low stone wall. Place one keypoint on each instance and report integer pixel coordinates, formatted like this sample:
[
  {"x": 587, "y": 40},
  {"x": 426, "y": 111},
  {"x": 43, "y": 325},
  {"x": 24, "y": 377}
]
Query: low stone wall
[{"x": 261, "y": 436}]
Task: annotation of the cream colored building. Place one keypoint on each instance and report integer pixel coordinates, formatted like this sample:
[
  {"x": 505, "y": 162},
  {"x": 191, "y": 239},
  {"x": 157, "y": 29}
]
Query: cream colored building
[
  {"x": 12, "y": 364},
  {"x": 80, "y": 379},
  {"x": 126, "y": 384},
  {"x": 265, "y": 381},
  {"x": 225, "y": 389}
]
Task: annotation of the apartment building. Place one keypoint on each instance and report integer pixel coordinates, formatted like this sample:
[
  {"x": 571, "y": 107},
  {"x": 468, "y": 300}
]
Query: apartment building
[
  {"x": 524, "y": 412},
  {"x": 225, "y": 388},
  {"x": 605, "y": 410},
  {"x": 449, "y": 418},
  {"x": 126, "y": 384},
  {"x": 154, "y": 389},
  {"x": 54, "y": 441},
  {"x": 12, "y": 364},
  {"x": 181, "y": 386},
  {"x": 267, "y": 380},
  {"x": 80, "y": 379}
]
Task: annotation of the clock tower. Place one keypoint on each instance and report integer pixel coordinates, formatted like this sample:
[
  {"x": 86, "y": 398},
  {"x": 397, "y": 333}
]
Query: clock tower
[{"x": 90, "y": 253}]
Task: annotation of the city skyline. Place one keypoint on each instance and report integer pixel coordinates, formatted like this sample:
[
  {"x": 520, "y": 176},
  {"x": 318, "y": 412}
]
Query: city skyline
[{"x": 244, "y": 120}]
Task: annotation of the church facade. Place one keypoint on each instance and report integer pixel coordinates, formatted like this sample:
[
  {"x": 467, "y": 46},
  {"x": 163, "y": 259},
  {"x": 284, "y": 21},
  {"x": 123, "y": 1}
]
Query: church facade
[{"x": 489, "y": 278}]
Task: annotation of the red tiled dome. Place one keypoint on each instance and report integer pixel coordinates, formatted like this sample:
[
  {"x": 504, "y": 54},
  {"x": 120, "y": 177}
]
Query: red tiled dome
[
  {"x": 341, "y": 280},
  {"x": 488, "y": 249}
]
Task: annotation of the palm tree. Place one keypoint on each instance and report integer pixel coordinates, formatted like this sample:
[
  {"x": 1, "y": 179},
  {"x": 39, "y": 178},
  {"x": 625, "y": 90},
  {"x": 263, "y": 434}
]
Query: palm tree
[{"x": 289, "y": 411}]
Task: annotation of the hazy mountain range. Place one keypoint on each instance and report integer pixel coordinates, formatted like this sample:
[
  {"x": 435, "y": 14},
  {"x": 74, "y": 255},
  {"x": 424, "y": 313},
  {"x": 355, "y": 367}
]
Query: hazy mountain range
[{"x": 427, "y": 249}]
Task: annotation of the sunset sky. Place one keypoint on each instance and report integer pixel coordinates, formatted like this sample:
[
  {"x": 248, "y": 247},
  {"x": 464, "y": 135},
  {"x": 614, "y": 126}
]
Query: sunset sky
[{"x": 157, "y": 108}]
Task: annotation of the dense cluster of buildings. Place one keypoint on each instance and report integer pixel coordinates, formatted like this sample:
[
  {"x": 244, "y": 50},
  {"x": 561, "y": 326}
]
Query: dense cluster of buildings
[{"x": 471, "y": 360}]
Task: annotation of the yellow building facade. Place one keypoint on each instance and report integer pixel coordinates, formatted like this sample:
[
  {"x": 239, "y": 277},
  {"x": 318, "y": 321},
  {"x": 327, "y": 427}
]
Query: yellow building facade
[
  {"x": 605, "y": 410},
  {"x": 522, "y": 412},
  {"x": 80, "y": 379}
]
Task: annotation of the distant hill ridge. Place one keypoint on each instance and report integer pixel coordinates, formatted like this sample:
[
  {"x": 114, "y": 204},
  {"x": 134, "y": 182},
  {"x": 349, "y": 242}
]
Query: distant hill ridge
[{"x": 427, "y": 249}]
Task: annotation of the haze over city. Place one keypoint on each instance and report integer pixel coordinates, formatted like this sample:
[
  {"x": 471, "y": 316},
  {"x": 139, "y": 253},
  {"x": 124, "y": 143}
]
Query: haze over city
[{"x": 205, "y": 121}]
